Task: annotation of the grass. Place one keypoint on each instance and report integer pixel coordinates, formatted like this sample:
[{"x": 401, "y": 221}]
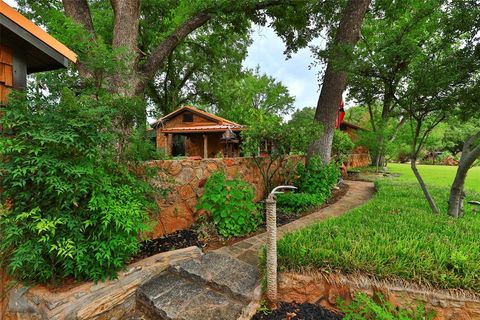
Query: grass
[
  {"x": 392, "y": 236},
  {"x": 437, "y": 175}
]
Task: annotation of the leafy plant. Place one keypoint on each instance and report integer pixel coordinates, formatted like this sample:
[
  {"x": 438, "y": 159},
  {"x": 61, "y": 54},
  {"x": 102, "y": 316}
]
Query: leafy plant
[
  {"x": 295, "y": 203},
  {"x": 141, "y": 146},
  {"x": 315, "y": 182},
  {"x": 77, "y": 211},
  {"x": 230, "y": 202},
  {"x": 342, "y": 145},
  {"x": 317, "y": 178},
  {"x": 365, "y": 308}
]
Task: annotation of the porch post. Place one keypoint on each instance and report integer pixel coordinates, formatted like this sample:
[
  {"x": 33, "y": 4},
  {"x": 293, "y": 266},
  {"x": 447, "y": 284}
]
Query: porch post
[
  {"x": 169, "y": 144},
  {"x": 205, "y": 146}
]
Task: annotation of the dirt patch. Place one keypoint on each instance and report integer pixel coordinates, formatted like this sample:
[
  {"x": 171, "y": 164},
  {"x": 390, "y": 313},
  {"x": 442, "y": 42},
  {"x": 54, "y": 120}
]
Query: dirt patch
[
  {"x": 296, "y": 311},
  {"x": 177, "y": 240}
]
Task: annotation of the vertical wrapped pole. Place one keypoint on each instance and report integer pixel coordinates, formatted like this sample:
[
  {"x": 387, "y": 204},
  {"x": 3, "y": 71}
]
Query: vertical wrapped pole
[{"x": 271, "y": 208}]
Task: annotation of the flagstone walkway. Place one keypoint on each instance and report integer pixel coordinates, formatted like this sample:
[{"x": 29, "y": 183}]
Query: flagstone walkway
[{"x": 248, "y": 250}]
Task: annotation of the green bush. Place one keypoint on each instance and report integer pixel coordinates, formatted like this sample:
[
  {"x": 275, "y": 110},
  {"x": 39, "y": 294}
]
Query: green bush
[
  {"x": 317, "y": 178},
  {"x": 77, "y": 212},
  {"x": 230, "y": 202},
  {"x": 296, "y": 203},
  {"x": 315, "y": 183},
  {"x": 342, "y": 145},
  {"x": 365, "y": 308}
]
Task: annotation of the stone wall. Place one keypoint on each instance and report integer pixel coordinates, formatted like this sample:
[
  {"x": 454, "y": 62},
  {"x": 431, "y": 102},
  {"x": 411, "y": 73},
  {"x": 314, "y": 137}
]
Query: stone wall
[
  {"x": 324, "y": 289},
  {"x": 186, "y": 179},
  {"x": 114, "y": 299}
]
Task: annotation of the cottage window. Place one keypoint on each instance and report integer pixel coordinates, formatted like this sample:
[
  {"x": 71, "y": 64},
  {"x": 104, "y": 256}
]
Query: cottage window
[{"x": 187, "y": 117}]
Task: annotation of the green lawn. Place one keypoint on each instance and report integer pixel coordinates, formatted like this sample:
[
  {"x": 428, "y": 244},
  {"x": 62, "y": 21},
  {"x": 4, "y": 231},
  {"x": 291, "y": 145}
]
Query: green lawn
[
  {"x": 394, "y": 236},
  {"x": 437, "y": 175}
]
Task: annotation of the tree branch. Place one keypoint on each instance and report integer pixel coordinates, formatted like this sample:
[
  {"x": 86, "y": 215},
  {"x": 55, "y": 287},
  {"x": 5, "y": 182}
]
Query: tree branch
[
  {"x": 79, "y": 12},
  {"x": 159, "y": 54}
]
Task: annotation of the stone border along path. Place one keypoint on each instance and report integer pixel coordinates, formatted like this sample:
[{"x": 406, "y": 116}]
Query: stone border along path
[
  {"x": 248, "y": 250},
  {"x": 225, "y": 283}
]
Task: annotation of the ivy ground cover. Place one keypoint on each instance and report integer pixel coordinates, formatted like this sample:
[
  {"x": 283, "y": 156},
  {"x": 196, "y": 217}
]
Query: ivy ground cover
[{"x": 392, "y": 236}]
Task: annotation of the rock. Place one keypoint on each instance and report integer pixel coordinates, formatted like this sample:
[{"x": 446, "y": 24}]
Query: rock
[
  {"x": 212, "y": 166},
  {"x": 222, "y": 272},
  {"x": 170, "y": 297},
  {"x": 211, "y": 286},
  {"x": 186, "y": 191},
  {"x": 185, "y": 175},
  {"x": 110, "y": 300},
  {"x": 18, "y": 303},
  {"x": 175, "y": 168}
]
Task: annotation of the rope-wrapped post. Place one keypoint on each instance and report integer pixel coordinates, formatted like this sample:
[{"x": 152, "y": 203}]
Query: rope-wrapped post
[{"x": 271, "y": 208}]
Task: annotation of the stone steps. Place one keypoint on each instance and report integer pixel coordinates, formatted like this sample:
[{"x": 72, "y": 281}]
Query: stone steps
[{"x": 213, "y": 286}]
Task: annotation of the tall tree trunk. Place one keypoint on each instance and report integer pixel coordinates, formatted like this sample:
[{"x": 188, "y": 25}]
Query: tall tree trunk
[
  {"x": 334, "y": 81},
  {"x": 125, "y": 37},
  {"x": 433, "y": 206},
  {"x": 78, "y": 11},
  {"x": 457, "y": 194}
]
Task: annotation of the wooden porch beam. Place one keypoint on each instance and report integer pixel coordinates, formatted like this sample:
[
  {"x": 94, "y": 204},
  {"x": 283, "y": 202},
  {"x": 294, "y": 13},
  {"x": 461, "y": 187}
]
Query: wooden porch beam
[{"x": 205, "y": 146}]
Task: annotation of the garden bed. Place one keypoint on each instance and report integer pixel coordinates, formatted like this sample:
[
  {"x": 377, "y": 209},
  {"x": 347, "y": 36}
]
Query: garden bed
[
  {"x": 282, "y": 218},
  {"x": 298, "y": 311},
  {"x": 190, "y": 237}
]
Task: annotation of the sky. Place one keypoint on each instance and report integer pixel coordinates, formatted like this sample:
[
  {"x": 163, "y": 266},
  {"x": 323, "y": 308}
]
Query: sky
[{"x": 266, "y": 52}]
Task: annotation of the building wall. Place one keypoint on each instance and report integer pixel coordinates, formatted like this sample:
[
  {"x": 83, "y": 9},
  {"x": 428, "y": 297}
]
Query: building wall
[
  {"x": 186, "y": 178},
  {"x": 359, "y": 157},
  {"x": 194, "y": 143},
  {"x": 6, "y": 73},
  {"x": 177, "y": 121}
]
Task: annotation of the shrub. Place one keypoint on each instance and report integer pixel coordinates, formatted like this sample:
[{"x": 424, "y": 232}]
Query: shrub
[
  {"x": 365, "y": 308},
  {"x": 298, "y": 202},
  {"x": 317, "y": 178},
  {"x": 76, "y": 212},
  {"x": 314, "y": 182},
  {"x": 230, "y": 202},
  {"x": 342, "y": 145}
]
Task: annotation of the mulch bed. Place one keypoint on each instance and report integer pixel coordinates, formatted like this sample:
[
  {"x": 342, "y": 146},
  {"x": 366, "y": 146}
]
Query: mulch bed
[
  {"x": 187, "y": 238},
  {"x": 295, "y": 311},
  {"x": 178, "y": 240}
]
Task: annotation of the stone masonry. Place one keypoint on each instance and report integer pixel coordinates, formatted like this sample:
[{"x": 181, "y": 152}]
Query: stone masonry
[{"x": 186, "y": 178}]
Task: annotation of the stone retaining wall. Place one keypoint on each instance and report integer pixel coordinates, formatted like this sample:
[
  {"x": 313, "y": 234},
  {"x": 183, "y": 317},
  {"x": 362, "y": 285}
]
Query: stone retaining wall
[
  {"x": 186, "y": 179},
  {"x": 324, "y": 289},
  {"x": 113, "y": 299}
]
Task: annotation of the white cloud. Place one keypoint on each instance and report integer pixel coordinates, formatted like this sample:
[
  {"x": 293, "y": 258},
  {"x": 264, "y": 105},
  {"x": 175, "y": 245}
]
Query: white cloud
[{"x": 267, "y": 52}]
